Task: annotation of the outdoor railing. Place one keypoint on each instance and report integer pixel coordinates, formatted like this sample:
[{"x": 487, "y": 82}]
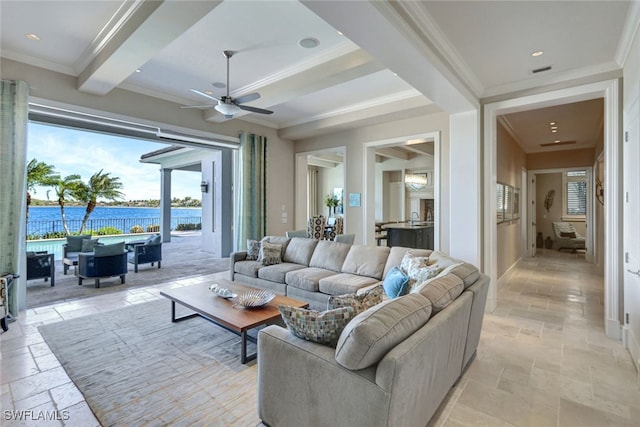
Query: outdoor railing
[{"x": 53, "y": 228}]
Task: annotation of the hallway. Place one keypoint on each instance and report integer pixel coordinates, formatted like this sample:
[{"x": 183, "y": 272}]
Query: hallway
[{"x": 544, "y": 359}]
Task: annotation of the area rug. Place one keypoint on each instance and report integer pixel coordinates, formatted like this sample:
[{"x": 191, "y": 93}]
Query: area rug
[
  {"x": 135, "y": 367},
  {"x": 66, "y": 287}
]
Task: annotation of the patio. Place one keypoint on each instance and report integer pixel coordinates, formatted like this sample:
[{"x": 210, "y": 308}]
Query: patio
[{"x": 182, "y": 259}]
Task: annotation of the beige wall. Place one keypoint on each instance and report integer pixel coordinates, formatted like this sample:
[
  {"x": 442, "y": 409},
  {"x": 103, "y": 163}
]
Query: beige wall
[
  {"x": 354, "y": 141},
  {"x": 511, "y": 160},
  {"x": 56, "y": 89},
  {"x": 561, "y": 159}
]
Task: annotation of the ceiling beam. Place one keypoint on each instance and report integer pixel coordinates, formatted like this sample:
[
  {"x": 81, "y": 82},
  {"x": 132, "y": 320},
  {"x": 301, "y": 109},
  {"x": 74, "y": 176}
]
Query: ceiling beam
[
  {"x": 147, "y": 29},
  {"x": 393, "y": 153}
]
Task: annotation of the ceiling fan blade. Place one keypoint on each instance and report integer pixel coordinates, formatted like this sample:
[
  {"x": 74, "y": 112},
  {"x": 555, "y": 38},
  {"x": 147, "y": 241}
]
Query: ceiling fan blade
[
  {"x": 254, "y": 109},
  {"x": 199, "y": 92},
  {"x": 247, "y": 98},
  {"x": 198, "y": 106}
]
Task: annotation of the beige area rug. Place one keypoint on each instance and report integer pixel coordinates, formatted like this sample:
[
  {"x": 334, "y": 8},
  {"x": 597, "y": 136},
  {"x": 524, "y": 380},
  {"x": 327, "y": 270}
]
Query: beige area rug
[{"x": 134, "y": 367}]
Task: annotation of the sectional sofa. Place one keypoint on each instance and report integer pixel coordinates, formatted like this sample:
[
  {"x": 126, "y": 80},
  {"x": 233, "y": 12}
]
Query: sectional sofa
[{"x": 394, "y": 363}]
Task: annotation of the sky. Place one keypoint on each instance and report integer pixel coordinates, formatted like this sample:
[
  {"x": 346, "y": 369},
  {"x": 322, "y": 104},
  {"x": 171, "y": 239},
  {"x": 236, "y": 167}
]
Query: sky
[{"x": 73, "y": 151}]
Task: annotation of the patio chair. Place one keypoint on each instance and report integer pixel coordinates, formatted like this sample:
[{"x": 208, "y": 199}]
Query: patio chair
[
  {"x": 41, "y": 265},
  {"x": 106, "y": 261},
  {"x": 345, "y": 238},
  {"x": 566, "y": 237},
  {"x": 148, "y": 252}
]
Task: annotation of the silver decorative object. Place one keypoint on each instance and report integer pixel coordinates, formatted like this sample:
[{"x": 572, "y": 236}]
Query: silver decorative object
[
  {"x": 221, "y": 292},
  {"x": 255, "y": 298}
]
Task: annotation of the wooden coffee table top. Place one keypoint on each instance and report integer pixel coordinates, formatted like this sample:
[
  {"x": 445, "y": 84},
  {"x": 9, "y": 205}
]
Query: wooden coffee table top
[{"x": 201, "y": 300}]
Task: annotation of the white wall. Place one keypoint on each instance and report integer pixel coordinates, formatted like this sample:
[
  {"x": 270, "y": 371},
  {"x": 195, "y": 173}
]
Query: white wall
[{"x": 354, "y": 141}]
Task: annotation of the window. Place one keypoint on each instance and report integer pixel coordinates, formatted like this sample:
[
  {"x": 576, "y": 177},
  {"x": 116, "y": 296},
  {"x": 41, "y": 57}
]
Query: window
[{"x": 575, "y": 194}]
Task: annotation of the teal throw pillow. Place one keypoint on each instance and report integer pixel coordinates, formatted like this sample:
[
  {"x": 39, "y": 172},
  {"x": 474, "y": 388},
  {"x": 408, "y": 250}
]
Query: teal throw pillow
[
  {"x": 108, "y": 250},
  {"x": 74, "y": 243},
  {"x": 396, "y": 283}
]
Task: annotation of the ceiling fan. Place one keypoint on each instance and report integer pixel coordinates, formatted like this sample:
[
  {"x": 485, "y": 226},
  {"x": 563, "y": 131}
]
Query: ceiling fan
[{"x": 226, "y": 104}]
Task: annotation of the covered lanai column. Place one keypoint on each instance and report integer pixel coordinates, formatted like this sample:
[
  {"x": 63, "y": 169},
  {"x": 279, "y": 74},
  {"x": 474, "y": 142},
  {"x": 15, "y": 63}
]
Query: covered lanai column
[{"x": 165, "y": 204}]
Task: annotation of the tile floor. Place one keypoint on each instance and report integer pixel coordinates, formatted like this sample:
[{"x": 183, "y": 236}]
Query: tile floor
[{"x": 543, "y": 357}]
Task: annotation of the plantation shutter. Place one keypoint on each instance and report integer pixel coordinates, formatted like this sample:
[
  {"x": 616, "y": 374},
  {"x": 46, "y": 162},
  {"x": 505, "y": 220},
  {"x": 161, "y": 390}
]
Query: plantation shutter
[{"x": 577, "y": 193}]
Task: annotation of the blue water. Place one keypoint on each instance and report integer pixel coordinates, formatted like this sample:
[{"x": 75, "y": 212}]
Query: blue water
[
  {"x": 44, "y": 220},
  {"x": 52, "y": 213}
]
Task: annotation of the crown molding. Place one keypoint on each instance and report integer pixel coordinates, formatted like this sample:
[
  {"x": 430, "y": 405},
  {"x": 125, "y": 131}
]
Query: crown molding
[
  {"x": 630, "y": 29},
  {"x": 376, "y": 102},
  {"x": 327, "y": 55},
  {"x": 435, "y": 39},
  {"x": 509, "y": 128},
  {"x": 37, "y": 62}
]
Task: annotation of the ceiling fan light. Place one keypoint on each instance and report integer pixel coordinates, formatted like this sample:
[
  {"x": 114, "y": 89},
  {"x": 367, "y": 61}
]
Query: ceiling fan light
[{"x": 227, "y": 109}]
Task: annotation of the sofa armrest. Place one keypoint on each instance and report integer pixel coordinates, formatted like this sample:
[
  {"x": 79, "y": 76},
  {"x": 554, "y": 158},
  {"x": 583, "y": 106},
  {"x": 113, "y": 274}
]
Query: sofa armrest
[
  {"x": 316, "y": 382},
  {"x": 233, "y": 258}
]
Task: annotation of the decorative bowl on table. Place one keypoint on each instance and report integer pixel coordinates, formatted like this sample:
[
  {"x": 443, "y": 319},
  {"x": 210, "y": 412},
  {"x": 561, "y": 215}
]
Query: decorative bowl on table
[
  {"x": 221, "y": 292},
  {"x": 253, "y": 299}
]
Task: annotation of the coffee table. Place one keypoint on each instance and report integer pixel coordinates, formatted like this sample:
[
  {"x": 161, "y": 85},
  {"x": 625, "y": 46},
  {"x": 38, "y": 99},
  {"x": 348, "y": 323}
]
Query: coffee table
[{"x": 221, "y": 311}]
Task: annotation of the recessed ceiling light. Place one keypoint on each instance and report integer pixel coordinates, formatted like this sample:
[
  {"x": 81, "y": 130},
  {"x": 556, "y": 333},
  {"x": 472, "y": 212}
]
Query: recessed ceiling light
[
  {"x": 340, "y": 33},
  {"x": 556, "y": 141},
  {"x": 33, "y": 37},
  {"x": 552, "y": 123},
  {"x": 208, "y": 92},
  {"x": 554, "y": 130},
  {"x": 309, "y": 43},
  {"x": 138, "y": 70},
  {"x": 554, "y": 127},
  {"x": 219, "y": 85},
  {"x": 537, "y": 53}
]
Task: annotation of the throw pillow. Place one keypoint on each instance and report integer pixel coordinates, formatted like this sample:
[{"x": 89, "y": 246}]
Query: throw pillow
[
  {"x": 253, "y": 250},
  {"x": 418, "y": 269},
  {"x": 108, "y": 250},
  {"x": 88, "y": 245},
  {"x": 359, "y": 302},
  {"x": 271, "y": 253},
  {"x": 74, "y": 243},
  {"x": 569, "y": 234},
  {"x": 396, "y": 283},
  {"x": 321, "y": 327}
]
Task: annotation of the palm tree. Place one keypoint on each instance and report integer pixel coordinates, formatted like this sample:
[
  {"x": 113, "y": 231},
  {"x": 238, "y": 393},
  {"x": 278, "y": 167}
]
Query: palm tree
[
  {"x": 67, "y": 188},
  {"x": 101, "y": 185},
  {"x": 39, "y": 173}
]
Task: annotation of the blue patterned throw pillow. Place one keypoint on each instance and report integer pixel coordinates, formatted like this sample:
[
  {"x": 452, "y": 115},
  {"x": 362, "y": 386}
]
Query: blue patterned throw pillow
[{"x": 396, "y": 283}]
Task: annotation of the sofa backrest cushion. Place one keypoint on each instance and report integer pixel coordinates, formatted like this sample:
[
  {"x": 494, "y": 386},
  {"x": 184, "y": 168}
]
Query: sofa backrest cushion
[
  {"x": 329, "y": 255},
  {"x": 277, "y": 240},
  {"x": 469, "y": 273},
  {"x": 299, "y": 250},
  {"x": 109, "y": 250},
  {"x": 366, "y": 261},
  {"x": 373, "y": 333},
  {"x": 88, "y": 245},
  {"x": 441, "y": 290},
  {"x": 397, "y": 253},
  {"x": 74, "y": 243}
]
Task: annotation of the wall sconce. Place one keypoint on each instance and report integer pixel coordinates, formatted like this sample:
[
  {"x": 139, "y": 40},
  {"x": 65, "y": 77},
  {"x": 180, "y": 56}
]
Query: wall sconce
[{"x": 204, "y": 186}]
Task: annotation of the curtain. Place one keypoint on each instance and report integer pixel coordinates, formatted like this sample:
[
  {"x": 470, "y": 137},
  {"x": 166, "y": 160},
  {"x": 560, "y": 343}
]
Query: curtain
[
  {"x": 312, "y": 191},
  {"x": 14, "y": 110},
  {"x": 251, "y": 196}
]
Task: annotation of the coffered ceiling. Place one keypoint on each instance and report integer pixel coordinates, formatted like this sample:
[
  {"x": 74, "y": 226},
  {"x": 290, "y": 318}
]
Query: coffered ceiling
[{"x": 374, "y": 61}]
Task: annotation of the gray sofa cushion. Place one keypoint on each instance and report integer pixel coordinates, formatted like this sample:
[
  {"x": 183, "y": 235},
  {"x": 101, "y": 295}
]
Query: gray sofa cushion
[
  {"x": 307, "y": 278},
  {"x": 467, "y": 272},
  {"x": 329, "y": 255},
  {"x": 299, "y": 250},
  {"x": 247, "y": 268},
  {"x": 277, "y": 240},
  {"x": 373, "y": 333},
  {"x": 441, "y": 290},
  {"x": 366, "y": 261},
  {"x": 397, "y": 253},
  {"x": 277, "y": 272},
  {"x": 344, "y": 283}
]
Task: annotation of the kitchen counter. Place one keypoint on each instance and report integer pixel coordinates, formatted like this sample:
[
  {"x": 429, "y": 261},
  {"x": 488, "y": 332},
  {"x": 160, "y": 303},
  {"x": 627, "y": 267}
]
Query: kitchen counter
[{"x": 418, "y": 235}]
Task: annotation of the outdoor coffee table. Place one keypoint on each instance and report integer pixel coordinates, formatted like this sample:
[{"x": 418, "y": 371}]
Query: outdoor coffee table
[{"x": 222, "y": 312}]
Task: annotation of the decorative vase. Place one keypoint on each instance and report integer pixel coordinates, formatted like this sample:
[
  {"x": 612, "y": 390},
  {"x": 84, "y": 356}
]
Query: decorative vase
[
  {"x": 539, "y": 241},
  {"x": 548, "y": 243}
]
